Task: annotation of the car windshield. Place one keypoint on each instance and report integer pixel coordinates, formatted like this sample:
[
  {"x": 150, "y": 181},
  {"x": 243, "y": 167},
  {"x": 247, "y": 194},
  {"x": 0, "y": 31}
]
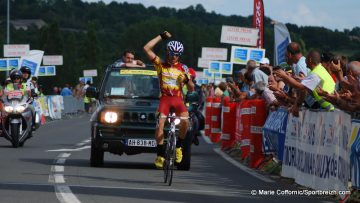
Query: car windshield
[{"x": 132, "y": 84}]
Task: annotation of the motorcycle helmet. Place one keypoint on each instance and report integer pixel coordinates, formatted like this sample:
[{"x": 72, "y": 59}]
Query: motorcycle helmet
[
  {"x": 27, "y": 70},
  {"x": 175, "y": 48},
  {"x": 15, "y": 75}
]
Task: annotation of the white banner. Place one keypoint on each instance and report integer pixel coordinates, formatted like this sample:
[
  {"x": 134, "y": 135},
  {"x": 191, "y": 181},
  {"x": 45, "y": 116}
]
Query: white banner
[
  {"x": 14, "y": 50},
  {"x": 239, "y": 35},
  {"x": 316, "y": 152},
  {"x": 282, "y": 39},
  {"x": 32, "y": 61},
  {"x": 214, "y": 53},
  {"x": 90, "y": 73},
  {"x": 240, "y": 55},
  {"x": 203, "y": 63},
  {"x": 49, "y": 60}
]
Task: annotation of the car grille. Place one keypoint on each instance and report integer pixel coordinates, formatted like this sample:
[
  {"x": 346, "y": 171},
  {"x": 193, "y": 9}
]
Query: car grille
[{"x": 139, "y": 117}]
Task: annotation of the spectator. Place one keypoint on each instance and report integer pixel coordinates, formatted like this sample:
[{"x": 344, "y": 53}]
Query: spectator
[
  {"x": 224, "y": 88},
  {"x": 318, "y": 77},
  {"x": 56, "y": 90},
  {"x": 256, "y": 74},
  {"x": 295, "y": 59},
  {"x": 349, "y": 97},
  {"x": 264, "y": 92},
  {"x": 66, "y": 91},
  {"x": 128, "y": 60},
  {"x": 265, "y": 66}
]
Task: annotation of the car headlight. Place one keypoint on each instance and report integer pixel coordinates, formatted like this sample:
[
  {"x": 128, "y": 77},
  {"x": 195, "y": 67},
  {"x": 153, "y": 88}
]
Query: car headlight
[
  {"x": 9, "y": 109},
  {"x": 110, "y": 117},
  {"x": 19, "y": 109}
]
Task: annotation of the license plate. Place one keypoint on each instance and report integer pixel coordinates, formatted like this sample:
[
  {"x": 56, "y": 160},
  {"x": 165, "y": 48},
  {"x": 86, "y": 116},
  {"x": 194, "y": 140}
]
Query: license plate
[{"x": 141, "y": 143}]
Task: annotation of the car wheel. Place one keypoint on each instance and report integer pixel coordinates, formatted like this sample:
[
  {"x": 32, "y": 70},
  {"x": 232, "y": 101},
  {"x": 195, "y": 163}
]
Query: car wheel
[
  {"x": 185, "y": 163},
  {"x": 96, "y": 156}
]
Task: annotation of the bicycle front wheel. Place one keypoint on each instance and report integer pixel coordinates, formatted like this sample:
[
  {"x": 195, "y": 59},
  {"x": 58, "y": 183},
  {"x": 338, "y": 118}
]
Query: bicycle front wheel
[
  {"x": 172, "y": 141},
  {"x": 167, "y": 162}
]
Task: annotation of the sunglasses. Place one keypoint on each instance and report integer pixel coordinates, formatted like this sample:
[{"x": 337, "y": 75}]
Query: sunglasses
[{"x": 174, "y": 54}]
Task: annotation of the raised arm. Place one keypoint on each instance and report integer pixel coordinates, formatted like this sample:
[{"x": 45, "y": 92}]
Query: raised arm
[{"x": 151, "y": 44}]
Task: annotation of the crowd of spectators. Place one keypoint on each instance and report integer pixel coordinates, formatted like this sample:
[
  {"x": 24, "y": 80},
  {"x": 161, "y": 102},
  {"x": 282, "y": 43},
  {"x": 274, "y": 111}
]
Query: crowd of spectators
[{"x": 322, "y": 81}]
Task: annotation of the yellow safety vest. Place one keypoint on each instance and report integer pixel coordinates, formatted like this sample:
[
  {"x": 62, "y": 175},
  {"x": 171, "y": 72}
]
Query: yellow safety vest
[
  {"x": 327, "y": 84},
  {"x": 10, "y": 87}
]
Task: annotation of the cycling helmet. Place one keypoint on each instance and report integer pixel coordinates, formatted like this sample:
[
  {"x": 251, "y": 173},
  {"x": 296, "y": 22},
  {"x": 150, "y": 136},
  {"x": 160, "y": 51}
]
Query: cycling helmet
[
  {"x": 175, "y": 47},
  {"x": 15, "y": 75},
  {"x": 25, "y": 69},
  {"x": 192, "y": 73}
]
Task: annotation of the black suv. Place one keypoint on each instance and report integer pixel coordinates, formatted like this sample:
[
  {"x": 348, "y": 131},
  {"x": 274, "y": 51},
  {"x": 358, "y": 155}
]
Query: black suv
[{"x": 125, "y": 118}]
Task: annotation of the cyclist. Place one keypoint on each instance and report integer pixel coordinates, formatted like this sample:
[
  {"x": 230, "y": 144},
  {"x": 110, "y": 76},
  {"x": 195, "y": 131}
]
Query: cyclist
[{"x": 172, "y": 75}]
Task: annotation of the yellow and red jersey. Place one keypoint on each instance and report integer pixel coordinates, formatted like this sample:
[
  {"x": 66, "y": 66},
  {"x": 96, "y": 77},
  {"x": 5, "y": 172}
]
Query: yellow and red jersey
[{"x": 168, "y": 75}]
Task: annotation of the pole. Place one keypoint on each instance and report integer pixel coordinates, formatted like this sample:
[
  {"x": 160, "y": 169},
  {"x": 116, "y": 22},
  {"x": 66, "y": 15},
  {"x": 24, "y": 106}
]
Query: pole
[{"x": 8, "y": 22}]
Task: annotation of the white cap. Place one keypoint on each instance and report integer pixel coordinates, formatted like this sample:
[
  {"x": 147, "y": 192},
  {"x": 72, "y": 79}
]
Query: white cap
[{"x": 264, "y": 61}]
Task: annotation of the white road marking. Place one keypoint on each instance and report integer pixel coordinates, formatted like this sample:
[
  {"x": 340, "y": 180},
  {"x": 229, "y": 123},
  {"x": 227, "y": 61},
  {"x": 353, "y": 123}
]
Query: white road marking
[
  {"x": 242, "y": 167},
  {"x": 65, "y": 195},
  {"x": 64, "y": 155},
  {"x": 221, "y": 192},
  {"x": 61, "y": 161},
  {"x": 69, "y": 150},
  {"x": 59, "y": 178},
  {"x": 57, "y": 169}
]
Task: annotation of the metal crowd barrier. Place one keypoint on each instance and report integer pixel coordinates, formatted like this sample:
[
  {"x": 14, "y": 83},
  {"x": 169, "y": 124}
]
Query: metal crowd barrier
[{"x": 73, "y": 105}]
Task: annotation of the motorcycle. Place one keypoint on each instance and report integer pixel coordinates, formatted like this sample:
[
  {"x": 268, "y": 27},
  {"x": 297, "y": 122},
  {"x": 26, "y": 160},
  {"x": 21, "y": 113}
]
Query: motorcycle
[
  {"x": 197, "y": 119},
  {"x": 17, "y": 118}
]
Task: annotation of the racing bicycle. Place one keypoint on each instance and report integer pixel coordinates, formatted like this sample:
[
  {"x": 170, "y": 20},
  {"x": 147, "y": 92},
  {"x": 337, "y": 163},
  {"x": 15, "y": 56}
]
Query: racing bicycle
[{"x": 170, "y": 154}]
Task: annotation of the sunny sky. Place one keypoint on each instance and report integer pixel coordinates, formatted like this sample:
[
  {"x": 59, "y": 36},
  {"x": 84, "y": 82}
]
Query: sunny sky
[{"x": 334, "y": 14}]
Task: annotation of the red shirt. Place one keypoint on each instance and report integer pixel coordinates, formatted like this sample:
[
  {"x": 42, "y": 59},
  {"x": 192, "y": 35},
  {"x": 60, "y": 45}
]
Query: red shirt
[{"x": 168, "y": 75}]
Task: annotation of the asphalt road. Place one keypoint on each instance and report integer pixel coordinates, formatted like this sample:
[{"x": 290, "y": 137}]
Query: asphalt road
[{"x": 53, "y": 166}]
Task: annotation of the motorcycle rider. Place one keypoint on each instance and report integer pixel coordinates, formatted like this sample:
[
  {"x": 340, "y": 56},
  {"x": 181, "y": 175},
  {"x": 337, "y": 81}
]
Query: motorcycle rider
[
  {"x": 195, "y": 102},
  {"x": 16, "y": 83},
  {"x": 26, "y": 77}
]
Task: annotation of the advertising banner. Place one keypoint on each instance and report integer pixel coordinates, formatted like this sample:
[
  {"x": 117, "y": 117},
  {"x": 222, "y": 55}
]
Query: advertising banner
[
  {"x": 317, "y": 155},
  {"x": 54, "y": 106},
  {"x": 355, "y": 154},
  {"x": 203, "y": 63},
  {"x": 53, "y": 60},
  {"x": 226, "y": 68},
  {"x": 47, "y": 71},
  {"x": 274, "y": 132},
  {"x": 15, "y": 50},
  {"x": 213, "y": 53},
  {"x": 258, "y": 21},
  {"x": 9, "y": 63},
  {"x": 32, "y": 61},
  {"x": 214, "y": 66},
  {"x": 282, "y": 39},
  {"x": 90, "y": 73},
  {"x": 239, "y": 35},
  {"x": 240, "y": 55}
]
